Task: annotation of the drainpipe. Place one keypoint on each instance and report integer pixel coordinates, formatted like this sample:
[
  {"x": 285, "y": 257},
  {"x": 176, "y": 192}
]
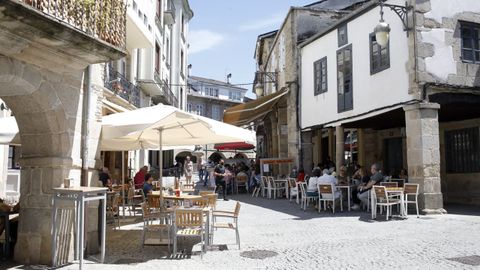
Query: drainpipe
[{"x": 87, "y": 85}]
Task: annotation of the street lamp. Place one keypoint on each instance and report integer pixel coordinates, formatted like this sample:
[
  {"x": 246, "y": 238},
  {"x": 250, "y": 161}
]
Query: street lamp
[
  {"x": 261, "y": 79},
  {"x": 382, "y": 30}
]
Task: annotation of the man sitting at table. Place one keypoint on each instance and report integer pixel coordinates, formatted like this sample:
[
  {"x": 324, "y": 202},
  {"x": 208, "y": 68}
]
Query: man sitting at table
[
  {"x": 327, "y": 179},
  {"x": 148, "y": 186},
  {"x": 361, "y": 193}
]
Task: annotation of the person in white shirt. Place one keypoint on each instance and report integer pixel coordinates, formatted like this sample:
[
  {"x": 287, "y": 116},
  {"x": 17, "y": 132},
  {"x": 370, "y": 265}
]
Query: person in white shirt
[
  {"x": 312, "y": 188},
  {"x": 326, "y": 178}
]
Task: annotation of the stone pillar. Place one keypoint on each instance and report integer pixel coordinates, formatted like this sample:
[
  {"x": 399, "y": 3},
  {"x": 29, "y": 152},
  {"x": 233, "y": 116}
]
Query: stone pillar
[
  {"x": 317, "y": 148},
  {"x": 423, "y": 154},
  {"x": 340, "y": 147},
  {"x": 274, "y": 134},
  {"x": 361, "y": 146},
  {"x": 331, "y": 143}
]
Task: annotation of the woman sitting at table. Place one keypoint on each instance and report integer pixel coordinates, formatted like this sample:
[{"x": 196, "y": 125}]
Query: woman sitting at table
[
  {"x": 312, "y": 188},
  {"x": 148, "y": 186},
  {"x": 342, "y": 175}
]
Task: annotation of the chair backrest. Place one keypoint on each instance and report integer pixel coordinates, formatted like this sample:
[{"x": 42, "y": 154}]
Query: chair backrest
[
  {"x": 153, "y": 201},
  {"x": 303, "y": 188},
  {"x": 188, "y": 218},
  {"x": 325, "y": 189},
  {"x": 237, "y": 209},
  {"x": 205, "y": 192},
  {"x": 130, "y": 193},
  {"x": 306, "y": 178},
  {"x": 145, "y": 210},
  {"x": 292, "y": 183},
  {"x": 202, "y": 202},
  {"x": 264, "y": 181},
  {"x": 212, "y": 199},
  {"x": 400, "y": 182},
  {"x": 389, "y": 184},
  {"x": 410, "y": 188},
  {"x": 241, "y": 178},
  {"x": 380, "y": 192}
]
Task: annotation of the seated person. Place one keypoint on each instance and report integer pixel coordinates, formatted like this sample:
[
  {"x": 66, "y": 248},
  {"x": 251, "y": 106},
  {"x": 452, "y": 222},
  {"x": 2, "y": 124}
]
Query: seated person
[
  {"x": 403, "y": 174},
  {"x": 342, "y": 175},
  {"x": 361, "y": 193},
  {"x": 148, "y": 186},
  {"x": 326, "y": 178},
  {"x": 356, "y": 174},
  {"x": 105, "y": 177},
  {"x": 312, "y": 188},
  {"x": 301, "y": 175}
]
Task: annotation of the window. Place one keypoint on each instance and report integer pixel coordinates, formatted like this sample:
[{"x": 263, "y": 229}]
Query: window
[
  {"x": 344, "y": 79},
  {"x": 234, "y": 95},
  {"x": 140, "y": 14},
  {"x": 320, "y": 76},
  {"x": 11, "y": 157},
  {"x": 470, "y": 34},
  {"x": 213, "y": 92},
  {"x": 379, "y": 57},
  {"x": 145, "y": 20},
  {"x": 342, "y": 35},
  {"x": 462, "y": 150},
  {"x": 216, "y": 113},
  {"x": 157, "y": 58},
  {"x": 159, "y": 8},
  {"x": 189, "y": 107},
  {"x": 182, "y": 19},
  {"x": 199, "y": 109},
  {"x": 134, "y": 5},
  {"x": 181, "y": 63},
  {"x": 168, "y": 51}
]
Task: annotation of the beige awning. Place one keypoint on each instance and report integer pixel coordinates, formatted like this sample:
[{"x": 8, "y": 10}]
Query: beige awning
[{"x": 243, "y": 114}]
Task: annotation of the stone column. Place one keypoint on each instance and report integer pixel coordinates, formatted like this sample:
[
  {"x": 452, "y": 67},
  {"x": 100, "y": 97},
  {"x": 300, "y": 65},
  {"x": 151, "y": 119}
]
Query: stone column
[
  {"x": 361, "y": 146},
  {"x": 317, "y": 149},
  {"x": 423, "y": 154},
  {"x": 340, "y": 149},
  {"x": 331, "y": 143}
]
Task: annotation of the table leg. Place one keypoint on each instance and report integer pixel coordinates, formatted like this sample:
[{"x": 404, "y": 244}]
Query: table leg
[
  {"x": 54, "y": 232},
  {"x": 81, "y": 232},
  {"x": 104, "y": 225},
  {"x": 348, "y": 197},
  {"x": 7, "y": 236}
]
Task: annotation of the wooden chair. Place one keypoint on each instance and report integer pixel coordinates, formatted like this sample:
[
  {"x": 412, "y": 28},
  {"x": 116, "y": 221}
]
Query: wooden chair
[
  {"x": 202, "y": 202},
  {"x": 411, "y": 190},
  {"x": 229, "y": 225},
  {"x": 400, "y": 182},
  {"x": 241, "y": 180},
  {"x": 113, "y": 209},
  {"x": 153, "y": 202},
  {"x": 326, "y": 194},
  {"x": 134, "y": 198},
  {"x": 389, "y": 184},
  {"x": 205, "y": 192},
  {"x": 293, "y": 189},
  {"x": 381, "y": 199},
  {"x": 189, "y": 223},
  {"x": 150, "y": 225},
  {"x": 305, "y": 199},
  {"x": 211, "y": 199}
]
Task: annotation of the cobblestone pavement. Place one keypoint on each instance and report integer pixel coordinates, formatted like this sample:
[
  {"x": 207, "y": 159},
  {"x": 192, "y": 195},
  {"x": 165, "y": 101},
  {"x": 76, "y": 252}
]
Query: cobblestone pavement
[{"x": 308, "y": 240}]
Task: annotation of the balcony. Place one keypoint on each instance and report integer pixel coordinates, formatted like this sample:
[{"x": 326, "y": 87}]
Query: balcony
[
  {"x": 62, "y": 35},
  {"x": 169, "y": 14},
  {"x": 167, "y": 96},
  {"x": 121, "y": 87}
]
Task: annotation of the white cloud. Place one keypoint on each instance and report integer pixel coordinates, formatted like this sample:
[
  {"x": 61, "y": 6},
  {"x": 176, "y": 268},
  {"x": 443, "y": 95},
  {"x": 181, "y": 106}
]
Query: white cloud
[
  {"x": 272, "y": 21},
  {"x": 202, "y": 40}
]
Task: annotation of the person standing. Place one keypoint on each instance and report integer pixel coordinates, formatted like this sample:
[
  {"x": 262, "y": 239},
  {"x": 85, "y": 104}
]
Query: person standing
[
  {"x": 219, "y": 174},
  {"x": 139, "y": 178},
  {"x": 188, "y": 169}
]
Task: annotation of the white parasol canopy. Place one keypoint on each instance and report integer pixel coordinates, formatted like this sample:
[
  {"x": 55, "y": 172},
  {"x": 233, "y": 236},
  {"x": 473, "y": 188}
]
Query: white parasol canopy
[{"x": 139, "y": 129}]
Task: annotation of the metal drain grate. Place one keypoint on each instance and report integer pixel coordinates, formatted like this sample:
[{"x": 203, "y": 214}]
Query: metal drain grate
[
  {"x": 469, "y": 260},
  {"x": 258, "y": 254}
]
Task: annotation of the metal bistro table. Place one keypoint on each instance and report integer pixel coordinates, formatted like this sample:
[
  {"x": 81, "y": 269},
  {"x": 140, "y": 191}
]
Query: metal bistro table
[
  {"x": 79, "y": 195},
  {"x": 348, "y": 188}
]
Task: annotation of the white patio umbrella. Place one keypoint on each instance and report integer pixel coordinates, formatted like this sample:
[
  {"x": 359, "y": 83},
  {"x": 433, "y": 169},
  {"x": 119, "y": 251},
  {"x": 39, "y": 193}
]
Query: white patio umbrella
[{"x": 161, "y": 125}]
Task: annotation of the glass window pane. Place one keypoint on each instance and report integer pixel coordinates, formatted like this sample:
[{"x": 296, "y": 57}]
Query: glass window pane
[
  {"x": 467, "y": 55},
  {"x": 466, "y": 32},
  {"x": 477, "y": 56},
  {"x": 467, "y": 43}
]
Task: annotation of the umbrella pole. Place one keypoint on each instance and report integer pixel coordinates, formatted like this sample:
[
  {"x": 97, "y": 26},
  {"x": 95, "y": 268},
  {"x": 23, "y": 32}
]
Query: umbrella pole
[
  {"x": 160, "y": 165},
  {"x": 123, "y": 183}
]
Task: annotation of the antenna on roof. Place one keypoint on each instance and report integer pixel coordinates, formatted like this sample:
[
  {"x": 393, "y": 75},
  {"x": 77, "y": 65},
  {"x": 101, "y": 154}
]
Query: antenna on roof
[{"x": 229, "y": 75}]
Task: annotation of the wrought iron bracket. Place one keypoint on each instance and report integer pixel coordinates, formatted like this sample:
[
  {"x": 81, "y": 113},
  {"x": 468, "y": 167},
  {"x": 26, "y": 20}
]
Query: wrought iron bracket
[{"x": 401, "y": 11}]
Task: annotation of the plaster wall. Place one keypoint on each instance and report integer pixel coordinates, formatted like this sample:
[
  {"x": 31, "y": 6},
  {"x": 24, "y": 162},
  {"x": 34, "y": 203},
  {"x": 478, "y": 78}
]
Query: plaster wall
[{"x": 370, "y": 92}]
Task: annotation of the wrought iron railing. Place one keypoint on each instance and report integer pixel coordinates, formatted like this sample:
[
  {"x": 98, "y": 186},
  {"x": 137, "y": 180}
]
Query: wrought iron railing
[
  {"x": 167, "y": 94},
  {"x": 120, "y": 86},
  {"x": 102, "y": 19}
]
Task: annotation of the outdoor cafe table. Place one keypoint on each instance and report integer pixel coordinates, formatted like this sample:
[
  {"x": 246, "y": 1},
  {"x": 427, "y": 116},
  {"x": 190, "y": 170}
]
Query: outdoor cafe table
[
  {"x": 349, "y": 193},
  {"x": 390, "y": 191},
  {"x": 182, "y": 197},
  {"x": 79, "y": 195}
]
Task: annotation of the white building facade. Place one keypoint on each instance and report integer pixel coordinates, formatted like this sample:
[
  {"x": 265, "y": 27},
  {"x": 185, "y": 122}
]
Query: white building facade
[{"x": 413, "y": 104}]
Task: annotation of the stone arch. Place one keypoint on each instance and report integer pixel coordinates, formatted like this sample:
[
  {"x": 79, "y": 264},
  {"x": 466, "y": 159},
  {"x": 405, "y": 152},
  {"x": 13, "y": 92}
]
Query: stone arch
[
  {"x": 180, "y": 157},
  {"x": 216, "y": 156},
  {"x": 47, "y": 107}
]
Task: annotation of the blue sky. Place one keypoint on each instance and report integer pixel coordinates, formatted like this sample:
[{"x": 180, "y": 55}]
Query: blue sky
[{"x": 222, "y": 35}]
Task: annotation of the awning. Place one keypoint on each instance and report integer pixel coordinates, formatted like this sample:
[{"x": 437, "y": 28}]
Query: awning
[
  {"x": 113, "y": 107},
  {"x": 234, "y": 146},
  {"x": 243, "y": 114}
]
